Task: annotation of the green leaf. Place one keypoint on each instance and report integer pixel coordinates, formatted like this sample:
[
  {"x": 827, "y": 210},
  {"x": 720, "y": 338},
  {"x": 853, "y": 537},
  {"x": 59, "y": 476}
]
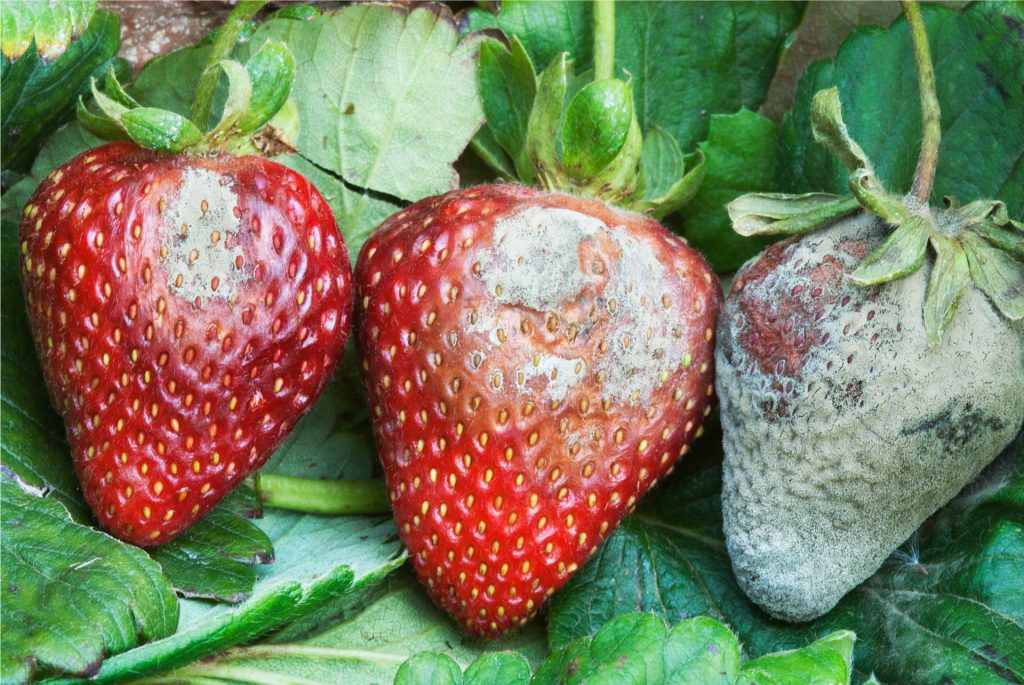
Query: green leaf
[
  {"x": 508, "y": 86},
  {"x": 271, "y": 74},
  {"x": 997, "y": 274},
  {"x": 112, "y": 87},
  {"x": 546, "y": 124},
  {"x": 825, "y": 662},
  {"x": 874, "y": 198},
  {"x": 38, "y": 96},
  {"x": 214, "y": 558},
  {"x": 950, "y": 275},
  {"x": 237, "y": 104},
  {"x": 701, "y": 651},
  {"x": 596, "y": 126},
  {"x": 70, "y": 594},
  {"x": 1011, "y": 242},
  {"x": 388, "y": 95},
  {"x": 662, "y": 163},
  {"x": 740, "y": 158},
  {"x": 901, "y": 253},
  {"x": 507, "y": 668},
  {"x": 982, "y": 105},
  {"x": 667, "y": 185},
  {"x": 964, "y": 564},
  {"x": 781, "y": 214},
  {"x": 373, "y": 632},
  {"x": 829, "y": 129},
  {"x": 627, "y": 649},
  {"x": 52, "y": 26},
  {"x": 159, "y": 129},
  {"x": 493, "y": 155},
  {"x": 428, "y": 668},
  {"x": 687, "y": 60}
]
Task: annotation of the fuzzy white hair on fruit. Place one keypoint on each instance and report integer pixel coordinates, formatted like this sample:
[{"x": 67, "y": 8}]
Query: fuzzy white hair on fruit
[{"x": 201, "y": 236}]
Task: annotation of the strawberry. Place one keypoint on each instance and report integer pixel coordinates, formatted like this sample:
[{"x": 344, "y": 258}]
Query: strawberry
[
  {"x": 864, "y": 378},
  {"x": 534, "y": 362},
  {"x": 187, "y": 310},
  {"x": 843, "y": 429}
]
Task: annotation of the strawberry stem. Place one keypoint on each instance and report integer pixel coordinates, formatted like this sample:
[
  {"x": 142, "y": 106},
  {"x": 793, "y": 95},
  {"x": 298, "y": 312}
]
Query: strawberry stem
[
  {"x": 930, "y": 115},
  {"x": 314, "y": 496},
  {"x": 224, "y": 44},
  {"x": 604, "y": 39}
]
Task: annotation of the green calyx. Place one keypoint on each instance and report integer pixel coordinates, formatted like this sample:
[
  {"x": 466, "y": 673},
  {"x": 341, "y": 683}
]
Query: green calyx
[
  {"x": 976, "y": 243},
  {"x": 570, "y": 133},
  {"x": 257, "y": 115}
]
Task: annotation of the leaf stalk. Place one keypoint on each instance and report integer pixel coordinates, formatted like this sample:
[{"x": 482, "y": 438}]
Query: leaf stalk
[
  {"x": 930, "y": 114},
  {"x": 604, "y": 40},
  {"x": 315, "y": 496}
]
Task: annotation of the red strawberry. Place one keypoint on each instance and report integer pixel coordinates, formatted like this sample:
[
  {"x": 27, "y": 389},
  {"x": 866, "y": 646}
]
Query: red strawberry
[
  {"x": 187, "y": 310},
  {"x": 535, "y": 362}
]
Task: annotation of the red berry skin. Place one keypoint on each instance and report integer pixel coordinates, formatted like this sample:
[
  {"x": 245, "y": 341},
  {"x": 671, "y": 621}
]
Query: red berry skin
[
  {"x": 534, "y": 363},
  {"x": 186, "y": 310}
]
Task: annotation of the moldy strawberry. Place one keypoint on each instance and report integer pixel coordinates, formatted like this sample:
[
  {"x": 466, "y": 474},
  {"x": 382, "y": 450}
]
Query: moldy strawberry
[{"x": 188, "y": 305}]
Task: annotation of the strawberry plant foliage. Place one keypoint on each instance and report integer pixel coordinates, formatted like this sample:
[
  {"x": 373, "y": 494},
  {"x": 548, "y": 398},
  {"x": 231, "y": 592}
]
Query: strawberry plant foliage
[
  {"x": 71, "y": 594},
  {"x": 49, "y": 52},
  {"x": 979, "y": 93}
]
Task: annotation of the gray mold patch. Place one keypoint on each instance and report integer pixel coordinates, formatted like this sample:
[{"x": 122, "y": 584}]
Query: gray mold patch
[
  {"x": 203, "y": 258},
  {"x": 536, "y": 263}
]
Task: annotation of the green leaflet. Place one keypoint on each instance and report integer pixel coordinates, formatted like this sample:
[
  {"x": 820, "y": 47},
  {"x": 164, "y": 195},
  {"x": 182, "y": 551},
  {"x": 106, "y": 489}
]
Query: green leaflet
[
  {"x": 271, "y": 72},
  {"x": 826, "y": 662},
  {"x": 979, "y": 94},
  {"x": 159, "y": 129},
  {"x": 997, "y": 274},
  {"x": 508, "y": 86},
  {"x": 829, "y": 129},
  {"x": 901, "y": 253},
  {"x": 71, "y": 594},
  {"x": 546, "y": 123},
  {"x": 39, "y": 95},
  {"x": 780, "y": 214},
  {"x": 667, "y": 184},
  {"x": 670, "y": 558},
  {"x": 507, "y": 668},
  {"x": 388, "y": 96},
  {"x": 428, "y": 668},
  {"x": 950, "y": 275},
  {"x": 378, "y": 630}
]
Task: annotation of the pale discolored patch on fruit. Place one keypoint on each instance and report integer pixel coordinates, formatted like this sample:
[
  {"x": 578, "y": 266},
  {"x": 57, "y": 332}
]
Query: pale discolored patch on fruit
[
  {"x": 551, "y": 260},
  {"x": 203, "y": 258},
  {"x": 843, "y": 430}
]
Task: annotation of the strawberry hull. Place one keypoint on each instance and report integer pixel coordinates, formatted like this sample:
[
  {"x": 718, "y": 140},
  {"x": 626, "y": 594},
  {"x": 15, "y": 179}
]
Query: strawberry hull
[
  {"x": 534, "y": 364},
  {"x": 187, "y": 310}
]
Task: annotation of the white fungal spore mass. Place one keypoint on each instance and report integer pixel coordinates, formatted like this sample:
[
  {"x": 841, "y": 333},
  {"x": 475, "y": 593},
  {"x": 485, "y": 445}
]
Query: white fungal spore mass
[
  {"x": 606, "y": 283},
  {"x": 203, "y": 257}
]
